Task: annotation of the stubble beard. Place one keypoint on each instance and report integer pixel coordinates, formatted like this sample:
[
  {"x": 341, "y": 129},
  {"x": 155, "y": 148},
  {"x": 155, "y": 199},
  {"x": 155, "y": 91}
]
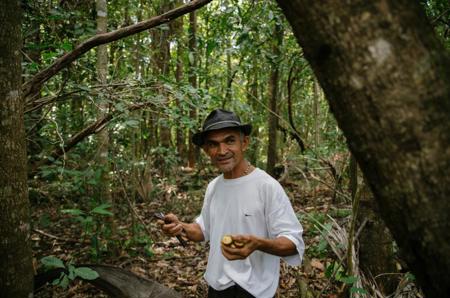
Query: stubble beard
[{"x": 228, "y": 167}]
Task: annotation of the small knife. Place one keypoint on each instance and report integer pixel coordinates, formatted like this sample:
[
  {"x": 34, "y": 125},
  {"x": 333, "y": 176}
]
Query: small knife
[{"x": 160, "y": 215}]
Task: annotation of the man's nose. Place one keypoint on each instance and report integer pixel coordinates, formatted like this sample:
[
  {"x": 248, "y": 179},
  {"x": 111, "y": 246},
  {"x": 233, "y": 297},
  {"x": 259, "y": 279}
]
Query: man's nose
[{"x": 222, "y": 148}]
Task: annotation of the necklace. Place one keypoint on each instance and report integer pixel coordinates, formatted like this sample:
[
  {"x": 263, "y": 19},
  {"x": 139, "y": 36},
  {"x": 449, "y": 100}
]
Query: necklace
[{"x": 247, "y": 170}]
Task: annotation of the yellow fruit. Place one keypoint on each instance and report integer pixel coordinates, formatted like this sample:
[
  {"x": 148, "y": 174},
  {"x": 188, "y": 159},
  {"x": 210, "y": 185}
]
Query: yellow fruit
[
  {"x": 227, "y": 240},
  {"x": 238, "y": 244}
]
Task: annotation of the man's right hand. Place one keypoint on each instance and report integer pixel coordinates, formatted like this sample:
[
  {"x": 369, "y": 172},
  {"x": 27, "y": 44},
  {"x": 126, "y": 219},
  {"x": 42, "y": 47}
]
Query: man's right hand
[{"x": 171, "y": 225}]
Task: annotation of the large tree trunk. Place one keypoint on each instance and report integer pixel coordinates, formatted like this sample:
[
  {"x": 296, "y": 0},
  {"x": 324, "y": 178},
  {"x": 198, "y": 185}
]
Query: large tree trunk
[
  {"x": 387, "y": 80},
  {"x": 16, "y": 277}
]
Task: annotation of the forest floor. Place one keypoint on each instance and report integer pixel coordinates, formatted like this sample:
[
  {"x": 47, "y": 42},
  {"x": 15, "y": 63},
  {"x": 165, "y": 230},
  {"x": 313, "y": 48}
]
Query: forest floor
[{"x": 145, "y": 251}]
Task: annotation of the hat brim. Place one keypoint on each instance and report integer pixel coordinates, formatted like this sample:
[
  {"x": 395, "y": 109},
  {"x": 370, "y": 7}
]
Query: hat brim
[{"x": 199, "y": 137}]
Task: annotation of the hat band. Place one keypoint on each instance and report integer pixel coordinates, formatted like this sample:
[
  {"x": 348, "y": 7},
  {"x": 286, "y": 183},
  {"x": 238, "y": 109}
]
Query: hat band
[{"x": 226, "y": 121}]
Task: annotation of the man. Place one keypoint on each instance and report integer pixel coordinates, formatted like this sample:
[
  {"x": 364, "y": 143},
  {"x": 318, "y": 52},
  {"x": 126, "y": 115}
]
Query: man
[{"x": 246, "y": 203}]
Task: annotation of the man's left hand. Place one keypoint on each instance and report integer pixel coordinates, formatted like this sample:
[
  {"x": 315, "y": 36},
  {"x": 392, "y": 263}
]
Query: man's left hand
[{"x": 239, "y": 253}]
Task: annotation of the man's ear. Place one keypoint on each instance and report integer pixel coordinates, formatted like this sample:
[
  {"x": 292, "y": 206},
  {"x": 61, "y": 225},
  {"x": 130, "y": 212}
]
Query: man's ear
[{"x": 245, "y": 143}]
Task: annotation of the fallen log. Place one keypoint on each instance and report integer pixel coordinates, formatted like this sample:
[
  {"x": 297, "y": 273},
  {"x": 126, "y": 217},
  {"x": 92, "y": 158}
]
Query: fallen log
[{"x": 114, "y": 281}]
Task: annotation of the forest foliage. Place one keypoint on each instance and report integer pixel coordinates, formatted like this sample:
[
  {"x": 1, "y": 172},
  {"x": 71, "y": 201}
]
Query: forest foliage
[{"x": 160, "y": 85}]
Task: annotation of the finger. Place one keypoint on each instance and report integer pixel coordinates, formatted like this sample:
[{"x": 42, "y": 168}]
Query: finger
[
  {"x": 170, "y": 218},
  {"x": 233, "y": 253},
  {"x": 168, "y": 228},
  {"x": 176, "y": 229},
  {"x": 241, "y": 238},
  {"x": 227, "y": 255}
]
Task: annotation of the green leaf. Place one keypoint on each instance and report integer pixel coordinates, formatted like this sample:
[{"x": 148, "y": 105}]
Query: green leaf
[
  {"x": 102, "y": 209},
  {"x": 71, "y": 272},
  {"x": 409, "y": 276},
  {"x": 132, "y": 123},
  {"x": 191, "y": 58},
  {"x": 67, "y": 46},
  {"x": 358, "y": 290},
  {"x": 86, "y": 273},
  {"x": 244, "y": 36},
  {"x": 52, "y": 262},
  {"x": 210, "y": 46},
  {"x": 64, "y": 282},
  {"x": 348, "y": 279}
]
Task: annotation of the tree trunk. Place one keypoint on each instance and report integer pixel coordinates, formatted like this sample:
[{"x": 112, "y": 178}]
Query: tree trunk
[
  {"x": 103, "y": 106},
  {"x": 273, "y": 96},
  {"x": 180, "y": 133},
  {"x": 161, "y": 48},
  {"x": 387, "y": 79},
  {"x": 376, "y": 251},
  {"x": 16, "y": 277},
  {"x": 316, "y": 107},
  {"x": 252, "y": 100},
  {"x": 193, "y": 150}
]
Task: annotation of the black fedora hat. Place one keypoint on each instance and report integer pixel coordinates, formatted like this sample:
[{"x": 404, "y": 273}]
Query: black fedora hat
[{"x": 219, "y": 119}]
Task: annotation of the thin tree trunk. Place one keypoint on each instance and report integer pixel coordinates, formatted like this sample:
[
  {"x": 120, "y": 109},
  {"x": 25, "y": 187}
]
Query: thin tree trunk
[
  {"x": 273, "y": 96},
  {"x": 103, "y": 106},
  {"x": 193, "y": 150},
  {"x": 16, "y": 277},
  {"x": 180, "y": 130},
  {"x": 316, "y": 113},
  {"x": 161, "y": 48},
  {"x": 252, "y": 99}
]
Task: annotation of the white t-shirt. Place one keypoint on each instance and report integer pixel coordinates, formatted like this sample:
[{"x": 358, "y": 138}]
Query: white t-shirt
[{"x": 254, "y": 204}]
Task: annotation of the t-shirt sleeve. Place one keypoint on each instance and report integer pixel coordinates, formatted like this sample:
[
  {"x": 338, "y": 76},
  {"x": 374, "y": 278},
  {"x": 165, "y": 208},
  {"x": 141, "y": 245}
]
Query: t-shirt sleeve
[{"x": 282, "y": 222}]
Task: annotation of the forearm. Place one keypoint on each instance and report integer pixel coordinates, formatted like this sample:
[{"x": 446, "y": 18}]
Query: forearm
[
  {"x": 280, "y": 246},
  {"x": 193, "y": 231}
]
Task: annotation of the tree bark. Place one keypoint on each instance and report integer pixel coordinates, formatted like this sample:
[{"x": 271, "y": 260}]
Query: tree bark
[
  {"x": 387, "y": 79},
  {"x": 180, "y": 130},
  {"x": 295, "y": 133},
  {"x": 376, "y": 251},
  {"x": 103, "y": 106},
  {"x": 16, "y": 277},
  {"x": 252, "y": 100},
  {"x": 316, "y": 107},
  {"x": 193, "y": 150},
  {"x": 273, "y": 95},
  {"x": 161, "y": 53}
]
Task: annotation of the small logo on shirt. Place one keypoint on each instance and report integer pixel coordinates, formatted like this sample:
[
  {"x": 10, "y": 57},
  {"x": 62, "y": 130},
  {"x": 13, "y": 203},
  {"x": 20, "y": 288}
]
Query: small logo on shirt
[{"x": 246, "y": 214}]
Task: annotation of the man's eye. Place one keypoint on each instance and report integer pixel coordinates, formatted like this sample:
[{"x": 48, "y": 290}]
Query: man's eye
[{"x": 230, "y": 141}]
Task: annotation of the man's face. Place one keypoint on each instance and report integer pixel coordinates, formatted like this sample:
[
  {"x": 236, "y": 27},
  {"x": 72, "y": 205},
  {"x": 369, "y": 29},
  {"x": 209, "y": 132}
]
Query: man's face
[{"x": 226, "y": 149}]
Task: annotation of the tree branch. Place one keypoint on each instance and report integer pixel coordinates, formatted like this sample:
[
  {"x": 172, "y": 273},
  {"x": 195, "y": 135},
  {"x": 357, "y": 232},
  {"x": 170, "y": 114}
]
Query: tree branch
[
  {"x": 91, "y": 129},
  {"x": 33, "y": 86}
]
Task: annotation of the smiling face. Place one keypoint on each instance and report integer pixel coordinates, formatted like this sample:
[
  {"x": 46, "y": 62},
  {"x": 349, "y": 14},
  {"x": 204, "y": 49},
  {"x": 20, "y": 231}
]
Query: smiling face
[{"x": 225, "y": 148}]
